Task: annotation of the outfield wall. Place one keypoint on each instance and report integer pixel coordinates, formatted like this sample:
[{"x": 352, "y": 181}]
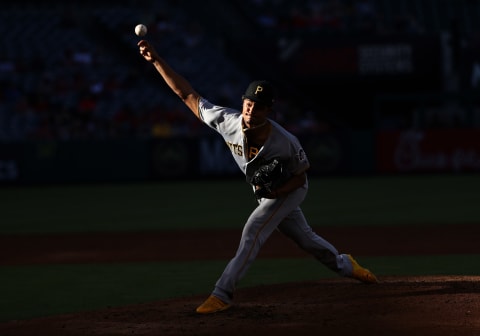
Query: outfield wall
[{"x": 330, "y": 153}]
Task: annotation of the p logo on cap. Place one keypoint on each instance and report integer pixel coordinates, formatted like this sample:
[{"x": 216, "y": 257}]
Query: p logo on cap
[{"x": 260, "y": 91}]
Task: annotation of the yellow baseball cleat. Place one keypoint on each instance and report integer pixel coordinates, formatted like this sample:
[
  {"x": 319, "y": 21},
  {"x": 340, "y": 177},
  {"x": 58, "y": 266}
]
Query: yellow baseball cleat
[
  {"x": 212, "y": 305},
  {"x": 362, "y": 274}
]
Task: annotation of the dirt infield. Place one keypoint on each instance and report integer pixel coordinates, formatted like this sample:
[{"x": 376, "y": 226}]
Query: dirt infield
[{"x": 430, "y": 305}]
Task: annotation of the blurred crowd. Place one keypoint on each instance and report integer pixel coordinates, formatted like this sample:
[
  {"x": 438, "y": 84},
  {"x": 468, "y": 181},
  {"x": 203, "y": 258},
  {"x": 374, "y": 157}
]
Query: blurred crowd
[
  {"x": 313, "y": 16},
  {"x": 73, "y": 106},
  {"x": 82, "y": 95}
]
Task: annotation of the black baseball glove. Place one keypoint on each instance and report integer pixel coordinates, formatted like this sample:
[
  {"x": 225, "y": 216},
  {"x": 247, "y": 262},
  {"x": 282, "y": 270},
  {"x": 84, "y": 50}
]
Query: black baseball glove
[{"x": 267, "y": 177}]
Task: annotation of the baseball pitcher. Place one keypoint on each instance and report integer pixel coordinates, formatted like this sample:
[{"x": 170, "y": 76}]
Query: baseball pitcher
[{"x": 275, "y": 166}]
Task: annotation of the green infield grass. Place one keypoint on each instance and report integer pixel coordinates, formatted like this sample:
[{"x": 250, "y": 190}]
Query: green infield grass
[{"x": 346, "y": 201}]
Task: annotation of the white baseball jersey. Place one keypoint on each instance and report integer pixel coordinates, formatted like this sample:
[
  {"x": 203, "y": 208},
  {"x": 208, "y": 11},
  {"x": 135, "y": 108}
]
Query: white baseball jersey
[{"x": 280, "y": 144}]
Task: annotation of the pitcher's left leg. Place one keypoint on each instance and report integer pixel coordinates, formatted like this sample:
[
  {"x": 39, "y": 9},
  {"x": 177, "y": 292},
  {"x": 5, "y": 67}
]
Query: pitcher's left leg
[{"x": 295, "y": 226}]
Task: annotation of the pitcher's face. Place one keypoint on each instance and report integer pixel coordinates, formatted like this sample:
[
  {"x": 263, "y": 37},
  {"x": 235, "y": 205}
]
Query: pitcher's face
[{"x": 253, "y": 113}]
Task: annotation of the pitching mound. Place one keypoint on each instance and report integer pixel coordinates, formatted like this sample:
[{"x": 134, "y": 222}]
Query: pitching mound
[{"x": 433, "y": 305}]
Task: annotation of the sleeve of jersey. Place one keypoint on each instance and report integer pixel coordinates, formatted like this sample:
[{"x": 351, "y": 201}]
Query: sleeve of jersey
[
  {"x": 300, "y": 161},
  {"x": 213, "y": 115}
]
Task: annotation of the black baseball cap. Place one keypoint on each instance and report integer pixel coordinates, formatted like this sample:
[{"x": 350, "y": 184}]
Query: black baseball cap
[{"x": 260, "y": 91}]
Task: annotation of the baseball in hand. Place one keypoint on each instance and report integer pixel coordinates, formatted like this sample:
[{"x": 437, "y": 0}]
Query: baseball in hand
[{"x": 140, "y": 30}]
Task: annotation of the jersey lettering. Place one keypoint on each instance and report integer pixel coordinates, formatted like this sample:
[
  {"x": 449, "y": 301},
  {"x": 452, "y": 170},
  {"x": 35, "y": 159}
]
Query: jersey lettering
[
  {"x": 235, "y": 148},
  {"x": 252, "y": 152}
]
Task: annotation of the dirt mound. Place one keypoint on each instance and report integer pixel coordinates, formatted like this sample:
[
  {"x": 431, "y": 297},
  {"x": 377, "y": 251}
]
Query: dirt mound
[{"x": 433, "y": 305}]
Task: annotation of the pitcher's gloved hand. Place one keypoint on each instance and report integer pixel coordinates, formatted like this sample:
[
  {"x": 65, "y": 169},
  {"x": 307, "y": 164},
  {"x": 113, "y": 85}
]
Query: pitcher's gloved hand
[{"x": 266, "y": 178}]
